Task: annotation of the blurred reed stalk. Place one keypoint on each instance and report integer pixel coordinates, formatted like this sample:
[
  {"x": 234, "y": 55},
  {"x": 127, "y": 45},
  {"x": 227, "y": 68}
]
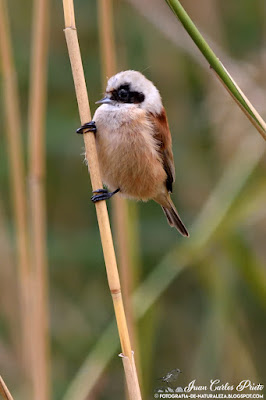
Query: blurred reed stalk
[
  {"x": 218, "y": 67},
  {"x": 107, "y": 41},
  {"x": 121, "y": 216},
  {"x": 37, "y": 111},
  {"x": 9, "y": 294},
  {"x": 101, "y": 209},
  {"x": 17, "y": 180},
  {"x": 4, "y": 390}
]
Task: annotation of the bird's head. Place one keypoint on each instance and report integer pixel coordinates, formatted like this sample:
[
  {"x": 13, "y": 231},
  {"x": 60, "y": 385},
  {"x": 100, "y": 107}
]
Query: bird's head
[{"x": 134, "y": 89}]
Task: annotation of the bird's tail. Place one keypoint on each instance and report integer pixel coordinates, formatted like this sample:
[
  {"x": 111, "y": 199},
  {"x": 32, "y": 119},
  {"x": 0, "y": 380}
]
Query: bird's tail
[{"x": 173, "y": 218}]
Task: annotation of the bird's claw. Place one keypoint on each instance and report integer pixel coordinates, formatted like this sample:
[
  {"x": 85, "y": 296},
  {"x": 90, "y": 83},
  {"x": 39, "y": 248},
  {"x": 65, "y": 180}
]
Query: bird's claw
[
  {"x": 102, "y": 194},
  {"x": 89, "y": 127}
]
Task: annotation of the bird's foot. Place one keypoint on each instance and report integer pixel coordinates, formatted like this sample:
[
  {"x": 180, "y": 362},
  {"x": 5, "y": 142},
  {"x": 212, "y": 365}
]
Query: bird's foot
[
  {"x": 89, "y": 127},
  {"x": 103, "y": 194}
]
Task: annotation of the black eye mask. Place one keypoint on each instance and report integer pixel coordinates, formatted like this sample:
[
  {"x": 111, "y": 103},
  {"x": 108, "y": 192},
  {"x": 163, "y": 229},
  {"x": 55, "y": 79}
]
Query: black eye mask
[{"x": 124, "y": 95}]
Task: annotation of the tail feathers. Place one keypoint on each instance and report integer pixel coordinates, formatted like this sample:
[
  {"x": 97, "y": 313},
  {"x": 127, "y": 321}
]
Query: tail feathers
[{"x": 174, "y": 219}]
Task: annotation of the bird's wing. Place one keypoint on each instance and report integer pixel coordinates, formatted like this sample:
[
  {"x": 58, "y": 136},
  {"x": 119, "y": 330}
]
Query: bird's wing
[{"x": 163, "y": 136}]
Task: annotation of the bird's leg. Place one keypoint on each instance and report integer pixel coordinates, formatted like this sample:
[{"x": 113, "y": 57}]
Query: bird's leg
[
  {"x": 103, "y": 194},
  {"x": 170, "y": 385},
  {"x": 89, "y": 127}
]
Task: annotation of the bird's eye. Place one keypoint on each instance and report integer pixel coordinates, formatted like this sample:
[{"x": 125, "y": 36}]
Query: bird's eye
[{"x": 123, "y": 95}]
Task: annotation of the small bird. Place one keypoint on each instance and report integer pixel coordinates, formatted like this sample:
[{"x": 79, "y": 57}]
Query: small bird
[
  {"x": 171, "y": 376},
  {"x": 134, "y": 144}
]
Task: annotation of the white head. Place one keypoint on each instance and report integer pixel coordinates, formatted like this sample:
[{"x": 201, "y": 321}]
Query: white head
[{"x": 134, "y": 89}]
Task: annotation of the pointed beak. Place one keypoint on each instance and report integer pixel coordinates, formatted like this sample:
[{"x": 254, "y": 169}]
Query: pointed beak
[{"x": 105, "y": 100}]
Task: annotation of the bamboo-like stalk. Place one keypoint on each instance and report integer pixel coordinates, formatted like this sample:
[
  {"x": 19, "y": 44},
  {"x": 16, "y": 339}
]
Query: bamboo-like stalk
[
  {"x": 17, "y": 178},
  {"x": 120, "y": 205},
  {"x": 218, "y": 67},
  {"x": 101, "y": 209},
  {"x": 37, "y": 108},
  {"x": 4, "y": 390}
]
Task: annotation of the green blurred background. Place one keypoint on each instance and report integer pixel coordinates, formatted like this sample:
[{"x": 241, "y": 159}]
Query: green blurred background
[{"x": 210, "y": 319}]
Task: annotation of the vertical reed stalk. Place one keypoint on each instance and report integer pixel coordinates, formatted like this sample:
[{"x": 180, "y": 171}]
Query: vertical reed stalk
[
  {"x": 37, "y": 109},
  {"x": 120, "y": 205},
  {"x": 107, "y": 40},
  {"x": 101, "y": 209},
  {"x": 4, "y": 390},
  {"x": 17, "y": 178}
]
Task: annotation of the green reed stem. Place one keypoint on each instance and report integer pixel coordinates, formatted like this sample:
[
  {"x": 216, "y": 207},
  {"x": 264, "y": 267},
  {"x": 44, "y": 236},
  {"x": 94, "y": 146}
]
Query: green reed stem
[{"x": 213, "y": 60}]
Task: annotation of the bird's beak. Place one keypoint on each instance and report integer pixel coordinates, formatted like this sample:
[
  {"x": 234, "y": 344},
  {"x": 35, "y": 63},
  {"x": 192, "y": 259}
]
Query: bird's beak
[{"x": 105, "y": 100}]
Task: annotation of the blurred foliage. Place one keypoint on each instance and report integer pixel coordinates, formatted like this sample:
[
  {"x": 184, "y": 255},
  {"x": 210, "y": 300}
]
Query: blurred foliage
[{"x": 211, "y": 321}]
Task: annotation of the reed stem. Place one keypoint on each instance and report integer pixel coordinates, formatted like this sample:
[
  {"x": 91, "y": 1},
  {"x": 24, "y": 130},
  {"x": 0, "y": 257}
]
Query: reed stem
[
  {"x": 218, "y": 67},
  {"x": 37, "y": 110},
  {"x": 101, "y": 209},
  {"x": 4, "y": 390},
  {"x": 17, "y": 179},
  {"x": 107, "y": 41}
]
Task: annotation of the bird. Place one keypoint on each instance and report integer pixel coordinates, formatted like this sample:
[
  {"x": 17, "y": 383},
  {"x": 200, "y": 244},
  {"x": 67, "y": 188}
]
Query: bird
[
  {"x": 134, "y": 144},
  {"x": 171, "y": 376}
]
